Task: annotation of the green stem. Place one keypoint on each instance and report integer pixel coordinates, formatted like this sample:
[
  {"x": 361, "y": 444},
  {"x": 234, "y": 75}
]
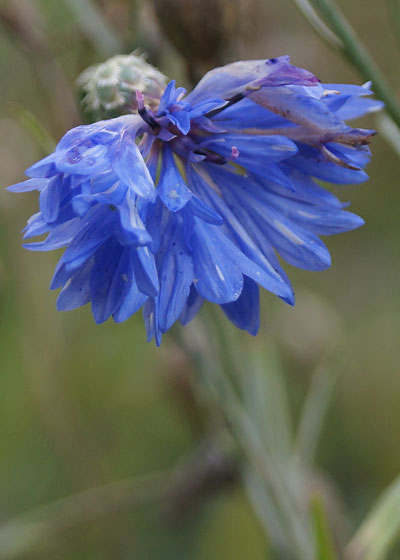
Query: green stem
[
  {"x": 353, "y": 49},
  {"x": 308, "y": 11}
]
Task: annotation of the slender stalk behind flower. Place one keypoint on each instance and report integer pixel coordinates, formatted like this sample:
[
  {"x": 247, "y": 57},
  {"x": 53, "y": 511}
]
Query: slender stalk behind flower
[{"x": 336, "y": 30}]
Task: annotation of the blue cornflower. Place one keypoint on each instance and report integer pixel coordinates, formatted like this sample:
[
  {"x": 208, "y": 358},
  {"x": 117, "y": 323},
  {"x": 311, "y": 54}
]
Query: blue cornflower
[{"x": 192, "y": 197}]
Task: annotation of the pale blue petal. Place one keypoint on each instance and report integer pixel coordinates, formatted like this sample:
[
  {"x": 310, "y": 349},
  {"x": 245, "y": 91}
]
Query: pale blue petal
[{"x": 171, "y": 188}]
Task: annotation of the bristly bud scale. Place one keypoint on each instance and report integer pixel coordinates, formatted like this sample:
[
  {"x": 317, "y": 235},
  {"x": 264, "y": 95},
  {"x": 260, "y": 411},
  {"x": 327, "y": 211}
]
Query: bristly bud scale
[{"x": 109, "y": 89}]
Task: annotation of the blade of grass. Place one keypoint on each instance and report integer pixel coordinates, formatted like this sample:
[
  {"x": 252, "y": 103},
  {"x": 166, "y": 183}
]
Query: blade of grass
[
  {"x": 323, "y": 540},
  {"x": 308, "y": 11},
  {"x": 267, "y": 511},
  {"x": 378, "y": 532}
]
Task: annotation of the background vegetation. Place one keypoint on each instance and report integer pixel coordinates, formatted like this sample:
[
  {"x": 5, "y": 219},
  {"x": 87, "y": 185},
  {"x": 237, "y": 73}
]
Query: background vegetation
[{"x": 82, "y": 406}]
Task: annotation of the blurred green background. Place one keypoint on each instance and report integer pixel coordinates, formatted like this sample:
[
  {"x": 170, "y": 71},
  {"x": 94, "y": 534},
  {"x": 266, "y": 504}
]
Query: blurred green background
[{"x": 84, "y": 405}]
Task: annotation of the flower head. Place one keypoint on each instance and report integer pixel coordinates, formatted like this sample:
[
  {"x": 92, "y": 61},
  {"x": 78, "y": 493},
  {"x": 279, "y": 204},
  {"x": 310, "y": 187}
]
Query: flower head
[{"x": 193, "y": 197}]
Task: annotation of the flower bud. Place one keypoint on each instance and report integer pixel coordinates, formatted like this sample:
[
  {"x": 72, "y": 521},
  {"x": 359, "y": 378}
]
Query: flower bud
[{"x": 109, "y": 89}]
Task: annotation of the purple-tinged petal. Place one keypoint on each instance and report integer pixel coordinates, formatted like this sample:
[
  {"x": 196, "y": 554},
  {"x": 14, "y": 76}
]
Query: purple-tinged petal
[{"x": 237, "y": 77}]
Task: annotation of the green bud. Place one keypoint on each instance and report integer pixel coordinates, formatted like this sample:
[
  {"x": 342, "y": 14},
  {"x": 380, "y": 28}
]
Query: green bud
[{"x": 109, "y": 89}]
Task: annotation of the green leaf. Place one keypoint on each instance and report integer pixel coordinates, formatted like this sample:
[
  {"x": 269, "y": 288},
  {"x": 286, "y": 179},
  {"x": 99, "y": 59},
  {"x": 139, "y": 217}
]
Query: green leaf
[{"x": 323, "y": 540}]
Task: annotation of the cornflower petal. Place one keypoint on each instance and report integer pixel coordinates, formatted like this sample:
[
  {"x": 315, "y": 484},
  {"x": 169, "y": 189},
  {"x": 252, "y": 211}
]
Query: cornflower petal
[
  {"x": 145, "y": 271},
  {"x": 44, "y": 168},
  {"x": 29, "y": 185},
  {"x": 252, "y": 152},
  {"x": 245, "y": 311},
  {"x": 76, "y": 291},
  {"x": 236, "y": 77},
  {"x": 218, "y": 277},
  {"x": 171, "y": 187},
  {"x": 192, "y": 306},
  {"x": 50, "y": 198},
  {"x": 132, "y": 170},
  {"x": 105, "y": 279},
  {"x": 176, "y": 276}
]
